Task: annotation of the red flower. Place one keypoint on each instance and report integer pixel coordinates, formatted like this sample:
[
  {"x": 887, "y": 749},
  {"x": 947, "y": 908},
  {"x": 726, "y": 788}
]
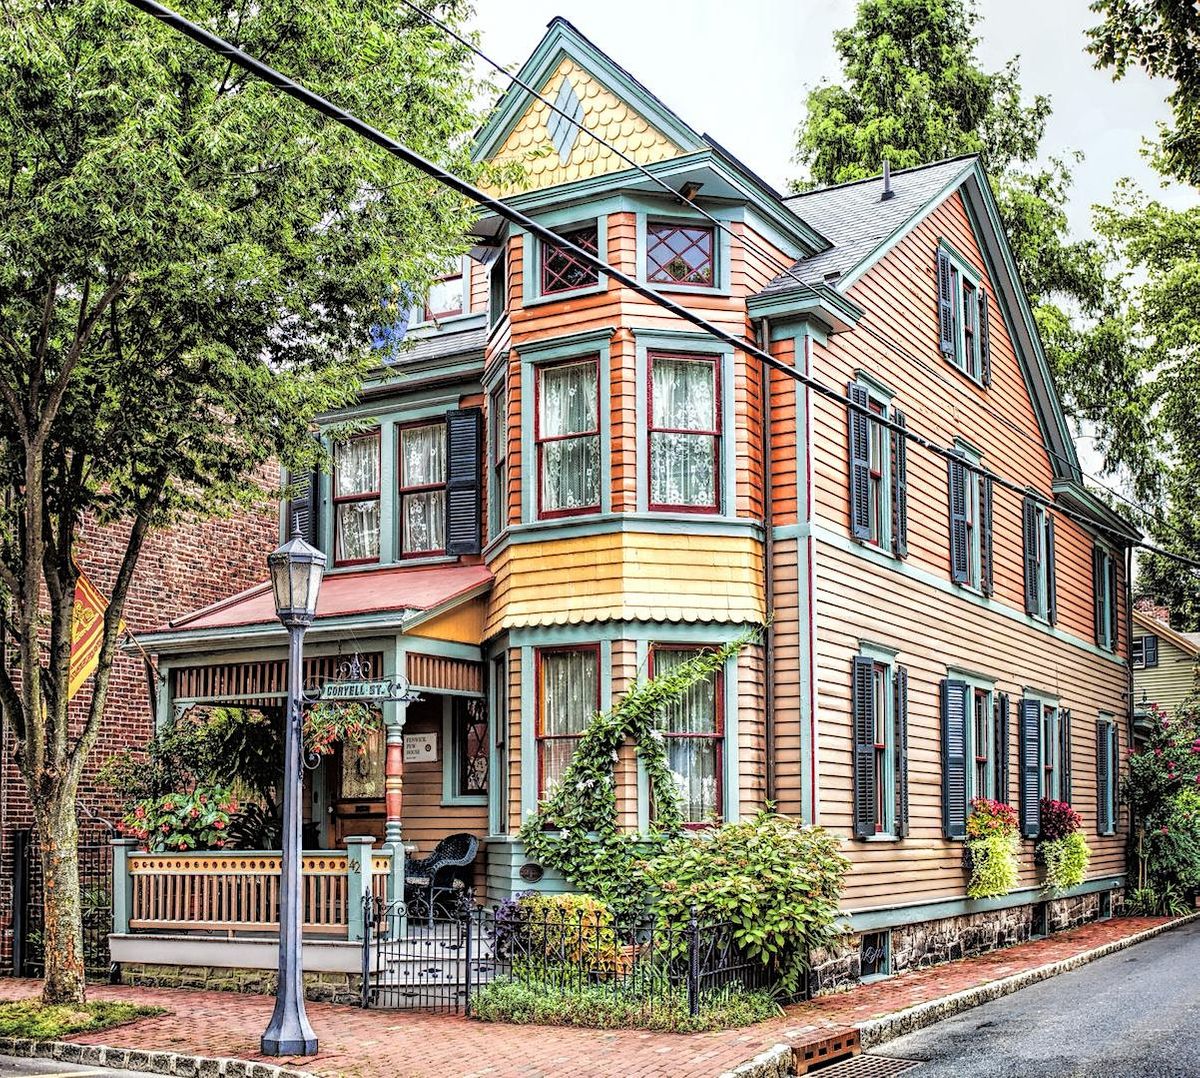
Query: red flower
[{"x": 219, "y": 824}]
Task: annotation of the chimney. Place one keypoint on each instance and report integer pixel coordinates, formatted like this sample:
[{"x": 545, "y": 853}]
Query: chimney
[{"x": 887, "y": 182}]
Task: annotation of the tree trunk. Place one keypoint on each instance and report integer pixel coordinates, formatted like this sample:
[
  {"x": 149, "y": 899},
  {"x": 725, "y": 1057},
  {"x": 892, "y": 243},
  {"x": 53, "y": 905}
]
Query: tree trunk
[{"x": 62, "y": 933}]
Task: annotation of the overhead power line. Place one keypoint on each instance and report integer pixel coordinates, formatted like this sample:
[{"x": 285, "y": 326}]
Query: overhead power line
[{"x": 327, "y": 108}]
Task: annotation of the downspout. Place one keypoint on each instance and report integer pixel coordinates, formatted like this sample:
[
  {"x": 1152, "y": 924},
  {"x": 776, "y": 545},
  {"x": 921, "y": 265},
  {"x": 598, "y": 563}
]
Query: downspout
[{"x": 764, "y": 342}]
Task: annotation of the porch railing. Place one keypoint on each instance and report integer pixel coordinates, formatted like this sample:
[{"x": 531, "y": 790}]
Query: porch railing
[{"x": 237, "y": 892}]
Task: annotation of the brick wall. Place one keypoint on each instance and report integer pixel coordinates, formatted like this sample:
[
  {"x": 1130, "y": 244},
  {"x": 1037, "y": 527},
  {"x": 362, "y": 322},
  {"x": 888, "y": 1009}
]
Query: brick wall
[{"x": 165, "y": 586}]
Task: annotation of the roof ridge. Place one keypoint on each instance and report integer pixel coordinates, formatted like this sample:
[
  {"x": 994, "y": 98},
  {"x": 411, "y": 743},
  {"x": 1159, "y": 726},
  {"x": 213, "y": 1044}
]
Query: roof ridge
[{"x": 879, "y": 176}]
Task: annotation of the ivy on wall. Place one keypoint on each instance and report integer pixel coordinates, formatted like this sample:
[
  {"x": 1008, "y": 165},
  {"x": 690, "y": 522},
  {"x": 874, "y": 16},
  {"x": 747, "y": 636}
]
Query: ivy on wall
[{"x": 576, "y": 831}]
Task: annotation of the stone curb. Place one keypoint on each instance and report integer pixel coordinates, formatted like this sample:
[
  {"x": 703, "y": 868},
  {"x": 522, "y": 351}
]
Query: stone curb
[
  {"x": 137, "y": 1059},
  {"x": 775, "y": 1062},
  {"x": 878, "y": 1030}
]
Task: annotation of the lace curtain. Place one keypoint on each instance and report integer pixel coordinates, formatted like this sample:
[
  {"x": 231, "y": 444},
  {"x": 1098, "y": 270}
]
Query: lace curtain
[
  {"x": 569, "y": 414},
  {"x": 693, "y": 742},
  {"x": 356, "y": 472},
  {"x": 683, "y": 467},
  {"x": 423, "y": 463},
  {"x": 568, "y": 704}
]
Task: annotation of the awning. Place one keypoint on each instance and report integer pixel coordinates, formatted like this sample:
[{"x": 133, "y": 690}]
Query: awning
[{"x": 362, "y": 599}]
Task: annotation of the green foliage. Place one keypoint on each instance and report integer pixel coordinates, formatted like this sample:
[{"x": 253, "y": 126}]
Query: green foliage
[
  {"x": 608, "y": 1007},
  {"x": 991, "y": 847},
  {"x": 42, "y": 1022},
  {"x": 328, "y": 722},
  {"x": 1164, "y": 901},
  {"x": 575, "y": 830},
  {"x": 1163, "y": 38},
  {"x": 776, "y": 881},
  {"x": 1065, "y": 860},
  {"x": 571, "y": 928},
  {"x": 196, "y": 820}
]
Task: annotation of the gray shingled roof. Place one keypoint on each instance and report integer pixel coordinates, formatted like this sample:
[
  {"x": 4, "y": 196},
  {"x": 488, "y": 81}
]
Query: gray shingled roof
[
  {"x": 442, "y": 345},
  {"x": 856, "y": 222}
]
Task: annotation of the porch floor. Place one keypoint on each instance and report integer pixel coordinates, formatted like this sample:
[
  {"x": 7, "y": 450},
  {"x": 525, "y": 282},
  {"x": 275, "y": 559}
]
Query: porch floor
[{"x": 363, "y": 1044}]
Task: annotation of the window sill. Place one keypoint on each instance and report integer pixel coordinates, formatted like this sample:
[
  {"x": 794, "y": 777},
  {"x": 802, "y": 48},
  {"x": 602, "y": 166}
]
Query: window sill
[
  {"x": 881, "y": 838},
  {"x": 569, "y": 293},
  {"x": 473, "y": 800},
  {"x": 689, "y": 289},
  {"x": 399, "y": 563},
  {"x": 976, "y": 382},
  {"x": 874, "y": 978}
]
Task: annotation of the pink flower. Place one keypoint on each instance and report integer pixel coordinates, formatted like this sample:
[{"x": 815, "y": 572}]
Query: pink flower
[
  {"x": 1162, "y": 830},
  {"x": 1158, "y": 752},
  {"x": 219, "y": 824}
]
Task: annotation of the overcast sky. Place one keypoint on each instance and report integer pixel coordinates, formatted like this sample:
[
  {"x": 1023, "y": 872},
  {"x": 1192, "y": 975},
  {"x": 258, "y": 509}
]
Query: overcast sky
[{"x": 740, "y": 72}]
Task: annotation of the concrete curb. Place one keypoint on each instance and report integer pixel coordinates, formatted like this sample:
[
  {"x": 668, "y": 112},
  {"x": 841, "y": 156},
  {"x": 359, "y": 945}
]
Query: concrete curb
[
  {"x": 776, "y": 1062},
  {"x": 137, "y": 1059},
  {"x": 878, "y": 1030}
]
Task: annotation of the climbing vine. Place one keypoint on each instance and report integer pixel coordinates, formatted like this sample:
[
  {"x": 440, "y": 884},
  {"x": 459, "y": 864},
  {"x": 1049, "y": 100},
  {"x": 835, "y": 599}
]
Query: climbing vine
[{"x": 575, "y": 830}]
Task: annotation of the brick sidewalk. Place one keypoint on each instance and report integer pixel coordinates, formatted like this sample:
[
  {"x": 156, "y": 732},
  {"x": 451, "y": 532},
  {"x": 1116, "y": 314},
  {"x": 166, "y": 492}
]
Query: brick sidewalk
[{"x": 400, "y": 1044}]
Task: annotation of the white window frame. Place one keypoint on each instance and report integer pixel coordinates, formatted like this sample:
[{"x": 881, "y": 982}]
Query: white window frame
[
  {"x": 1042, "y": 515},
  {"x": 885, "y": 789},
  {"x": 881, "y": 398},
  {"x": 973, "y": 497},
  {"x": 1108, "y": 620},
  {"x": 962, "y": 271}
]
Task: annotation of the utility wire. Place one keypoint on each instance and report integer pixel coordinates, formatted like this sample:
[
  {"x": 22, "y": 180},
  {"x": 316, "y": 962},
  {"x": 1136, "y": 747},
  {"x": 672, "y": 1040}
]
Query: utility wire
[
  {"x": 348, "y": 120},
  {"x": 764, "y": 252}
]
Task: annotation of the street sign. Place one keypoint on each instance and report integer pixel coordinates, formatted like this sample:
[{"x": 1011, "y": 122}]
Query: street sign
[{"x": 383, "y": 690}]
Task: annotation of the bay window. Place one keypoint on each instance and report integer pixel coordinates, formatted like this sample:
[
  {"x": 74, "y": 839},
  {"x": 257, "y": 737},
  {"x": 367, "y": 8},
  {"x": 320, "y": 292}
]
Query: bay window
[
  {"x": 680, "y": 254},
  {"x": 422, "y": 489},
  {"x": 498, "y": 425},
  {"x": 356, "y": 500},
  {"x": 685, "y": 433},
  {"x": 563, "y": 271},
  {"x": 568, "y": 437},
  {"x": 693, "y": 729},
  {"x": 568, "y": 698}
]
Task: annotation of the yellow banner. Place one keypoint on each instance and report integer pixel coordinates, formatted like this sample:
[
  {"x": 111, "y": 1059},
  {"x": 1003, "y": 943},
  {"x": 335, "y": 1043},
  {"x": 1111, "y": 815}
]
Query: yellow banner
[{"x": 87, "y": 633}]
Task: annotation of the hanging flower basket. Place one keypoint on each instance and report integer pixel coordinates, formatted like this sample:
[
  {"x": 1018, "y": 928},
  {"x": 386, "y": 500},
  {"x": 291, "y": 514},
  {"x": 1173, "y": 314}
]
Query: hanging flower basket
[{"x": 330, "y": 722}]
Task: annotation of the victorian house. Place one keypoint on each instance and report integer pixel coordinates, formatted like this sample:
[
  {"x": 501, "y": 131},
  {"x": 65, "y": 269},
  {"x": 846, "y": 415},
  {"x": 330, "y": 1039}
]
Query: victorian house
[{"x": 561, "y": 488}]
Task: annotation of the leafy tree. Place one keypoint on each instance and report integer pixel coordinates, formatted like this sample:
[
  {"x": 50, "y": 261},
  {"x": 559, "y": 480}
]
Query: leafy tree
[
  {"x": 914, "y": 92},
  {"x": 1163, "y": 38},
  {"x": 189, "y": 267}
]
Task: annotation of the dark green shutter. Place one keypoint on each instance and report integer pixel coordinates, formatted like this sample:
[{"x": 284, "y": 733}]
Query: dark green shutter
[
  {"x": 959, "y": 552},
  {"x": 1064, "y": 754},
  {"x": 1115, "y": 807},
  {"x": 1030, "y": 767},
  {"x": 899, "y": 488},
  {"x": 863, "y": 706},
  {"x": 1029, "y": 517},
  {"x": 464, "y": 478},
  {"x": 954, "y": 758},
  {"x": 1099, "y": 617},
  {"x": 1051, "y": 585},
  {"x": 1113, "y": 603},
  {"x": 1000, "y": 754},
  {"x": 302, "y": 507},
  {"x": 987, "y": 582},
  {"x": 860, "y": 464},
  {"x": 985, "y": 342},
  {"x": 945, "y": 305},
  {"x": 1150, "y": 651},
  {"x": 901, "y": 751},
  {"x": 1103, "y": 775}
]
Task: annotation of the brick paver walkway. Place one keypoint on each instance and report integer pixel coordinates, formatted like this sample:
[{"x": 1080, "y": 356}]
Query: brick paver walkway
[{"x": 399, "y": 1044}]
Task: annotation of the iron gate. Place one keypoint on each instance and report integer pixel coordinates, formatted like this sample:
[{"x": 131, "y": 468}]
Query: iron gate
[{"x": 95, "y": 892}]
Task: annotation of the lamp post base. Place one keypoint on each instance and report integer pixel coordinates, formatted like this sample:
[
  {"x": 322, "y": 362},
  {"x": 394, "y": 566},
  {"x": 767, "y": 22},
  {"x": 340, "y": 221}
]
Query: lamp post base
[{"x": 299, "y": 1042}]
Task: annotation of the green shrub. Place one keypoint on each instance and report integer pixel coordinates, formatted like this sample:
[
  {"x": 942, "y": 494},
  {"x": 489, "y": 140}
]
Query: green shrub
[
  {"x": 575, "y": 929},
  {"x": 992, "y": 848},
  {"x": 775, "y": 880},
  {"x": 40, "y": 1021},
  {"x": 1066, "y": 860},
  {"x": 609, "y": 1007}
]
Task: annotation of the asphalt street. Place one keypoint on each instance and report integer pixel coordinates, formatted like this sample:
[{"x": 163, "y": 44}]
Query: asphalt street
[
  {"x": 1134, "y": 1014},
  {"x": 49, "y": 1068}
]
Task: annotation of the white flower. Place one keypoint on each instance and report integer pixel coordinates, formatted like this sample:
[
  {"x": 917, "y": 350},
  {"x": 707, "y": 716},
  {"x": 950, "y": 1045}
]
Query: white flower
[
  {"x": 616, "y": 756},
  {"x": 657, "y": 735},
  {"x": 564, "y": 833}
]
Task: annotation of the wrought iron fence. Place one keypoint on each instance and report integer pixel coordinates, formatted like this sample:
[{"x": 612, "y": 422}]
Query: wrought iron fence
[
  {"x": 95, "y": 891},
  {"x": 647, "y": 968}
]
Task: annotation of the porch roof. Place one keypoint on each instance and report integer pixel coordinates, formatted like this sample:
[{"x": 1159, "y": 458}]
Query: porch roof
[{"x": 406, "y": 593}]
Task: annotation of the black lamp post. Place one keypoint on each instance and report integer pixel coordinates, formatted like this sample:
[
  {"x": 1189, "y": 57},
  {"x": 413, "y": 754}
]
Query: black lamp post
[{"x": 296, "y": 570}]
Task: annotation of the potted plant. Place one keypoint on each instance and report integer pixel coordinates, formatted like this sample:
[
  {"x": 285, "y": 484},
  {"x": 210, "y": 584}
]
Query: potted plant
[
  {"x": 1062, "y": 850},
  {"x": 329, "y": 721},
  {"x": 991, "y": 848}
]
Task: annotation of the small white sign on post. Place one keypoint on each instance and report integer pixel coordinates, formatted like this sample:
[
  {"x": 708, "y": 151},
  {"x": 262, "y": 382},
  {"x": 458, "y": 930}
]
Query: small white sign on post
[{"x": 420, "y": 748}]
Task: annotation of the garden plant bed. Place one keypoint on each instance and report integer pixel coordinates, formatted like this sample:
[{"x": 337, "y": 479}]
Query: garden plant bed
[{"x": 37, "y": 1021}]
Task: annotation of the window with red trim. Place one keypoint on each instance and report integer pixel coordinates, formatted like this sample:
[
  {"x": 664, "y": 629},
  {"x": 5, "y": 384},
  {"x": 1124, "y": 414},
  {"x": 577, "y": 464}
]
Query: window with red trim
[
  {"x": 498, "y": 494},
  {"x": 694, "y": 733},
  {"x": 680, "y": 254},
  {"x": 421, "y": 479},
  {"x": 568, "y": 698},
  {"x": 356, "y": 500},
  {"x": 446, "y": 294},
  {"x": 567, "y": 433},
  {"x": 981, "y": 742},
  {"x": 685, "y": 432},
  {"x": 563, "y": 271}
]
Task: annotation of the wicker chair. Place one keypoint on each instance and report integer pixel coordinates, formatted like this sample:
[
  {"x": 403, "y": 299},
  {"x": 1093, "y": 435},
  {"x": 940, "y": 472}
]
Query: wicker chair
[{"x": 446, "y": 870}]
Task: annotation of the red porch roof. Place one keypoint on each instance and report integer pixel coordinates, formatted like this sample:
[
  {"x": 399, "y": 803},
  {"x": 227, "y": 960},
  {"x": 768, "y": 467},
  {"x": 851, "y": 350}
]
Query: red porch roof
[{"x": 367, "y": 591}]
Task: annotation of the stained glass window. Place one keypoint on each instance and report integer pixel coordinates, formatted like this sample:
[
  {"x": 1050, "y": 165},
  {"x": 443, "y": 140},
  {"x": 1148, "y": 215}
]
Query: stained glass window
[
  {"x": 679, "y": 254},
  {"x": 563, "y": 271}
]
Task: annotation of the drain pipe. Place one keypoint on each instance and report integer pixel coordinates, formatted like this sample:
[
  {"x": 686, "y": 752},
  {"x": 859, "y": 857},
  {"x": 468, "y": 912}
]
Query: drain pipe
[{"x": 764, "y": 342}]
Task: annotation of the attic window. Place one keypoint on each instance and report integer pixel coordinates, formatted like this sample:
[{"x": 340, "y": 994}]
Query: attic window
[{"x": 564, "y": 132}]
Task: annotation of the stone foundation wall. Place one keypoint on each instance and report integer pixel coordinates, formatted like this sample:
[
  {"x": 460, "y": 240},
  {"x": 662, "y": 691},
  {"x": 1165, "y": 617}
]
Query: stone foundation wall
[
  {"x": 319, "y": 987},
  {"x": 927, "y": 943}
]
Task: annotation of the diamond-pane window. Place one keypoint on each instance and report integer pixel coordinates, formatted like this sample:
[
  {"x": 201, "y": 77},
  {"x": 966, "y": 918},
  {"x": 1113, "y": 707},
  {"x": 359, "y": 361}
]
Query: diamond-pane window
[
  {"x": 563, "y": 271},
  {"x": 679, "y": 254},
  {"x": 564, "y": 132}
]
